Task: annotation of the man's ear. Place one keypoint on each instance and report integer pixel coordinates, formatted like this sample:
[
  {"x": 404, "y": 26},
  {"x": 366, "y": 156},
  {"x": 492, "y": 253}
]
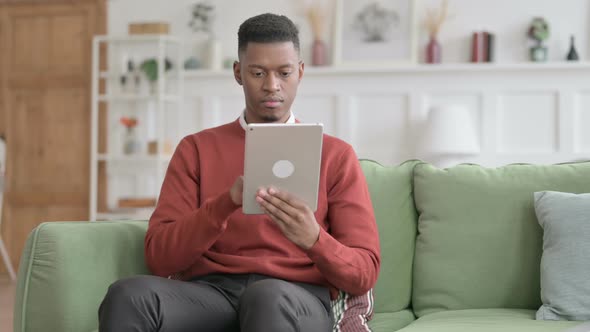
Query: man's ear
[
  {"x": 237, "y": 72},
  {"x": 301, "y": 69}
]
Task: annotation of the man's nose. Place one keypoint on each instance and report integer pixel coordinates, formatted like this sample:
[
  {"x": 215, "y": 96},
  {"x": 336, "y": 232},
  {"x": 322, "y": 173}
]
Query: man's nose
[{"x": 272, "y": 83}]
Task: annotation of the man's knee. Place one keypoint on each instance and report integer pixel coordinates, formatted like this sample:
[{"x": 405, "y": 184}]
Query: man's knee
[
  {"x": 130, "y": 287},
  {"x": 265, "y": 293},
  {"x": 130, "y": 304},
  {"x": 276, "y": 305},
  {"x": 129, "y": 292}
]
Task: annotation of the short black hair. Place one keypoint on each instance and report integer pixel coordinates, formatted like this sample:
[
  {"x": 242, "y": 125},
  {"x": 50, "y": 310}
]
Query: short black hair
[{"x": 267, "y": 28}]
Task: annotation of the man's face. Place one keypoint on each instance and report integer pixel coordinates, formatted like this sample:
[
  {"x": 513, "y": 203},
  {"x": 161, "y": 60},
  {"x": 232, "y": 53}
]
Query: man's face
[{"x": 270, "y": 74}]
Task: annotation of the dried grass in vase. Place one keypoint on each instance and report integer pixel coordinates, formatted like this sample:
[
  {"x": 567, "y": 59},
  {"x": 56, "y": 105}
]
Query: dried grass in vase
[
  {"x": 435, "y": 18},
  {"x": 316, "y": 16}
]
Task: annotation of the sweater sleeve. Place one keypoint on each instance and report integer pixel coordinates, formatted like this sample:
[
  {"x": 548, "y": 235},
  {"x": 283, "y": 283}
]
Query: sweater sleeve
[
  {"x": 180, "y": 230},
  {"x": 348, "y": 254}
]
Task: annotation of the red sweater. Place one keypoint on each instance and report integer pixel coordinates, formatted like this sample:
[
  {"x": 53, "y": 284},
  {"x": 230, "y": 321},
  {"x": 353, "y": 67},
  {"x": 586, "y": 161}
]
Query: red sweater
[{"x": 196, "y": 229}]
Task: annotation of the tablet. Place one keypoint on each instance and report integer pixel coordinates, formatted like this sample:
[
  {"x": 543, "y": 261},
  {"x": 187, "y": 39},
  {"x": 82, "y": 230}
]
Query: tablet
[{"x": 286, "y": 156}]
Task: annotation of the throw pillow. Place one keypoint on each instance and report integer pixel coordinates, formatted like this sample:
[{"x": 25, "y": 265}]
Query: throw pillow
[
  {"x": 352, "y": 313},
  {"x": 565, "y": 264}
]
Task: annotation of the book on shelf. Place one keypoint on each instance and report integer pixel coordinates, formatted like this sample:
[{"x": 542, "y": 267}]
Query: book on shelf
[{"x": 482, "y": 46}]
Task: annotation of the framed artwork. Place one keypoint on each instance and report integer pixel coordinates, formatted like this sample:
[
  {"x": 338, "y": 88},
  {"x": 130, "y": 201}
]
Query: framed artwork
[{"x": 374, "y": 32}]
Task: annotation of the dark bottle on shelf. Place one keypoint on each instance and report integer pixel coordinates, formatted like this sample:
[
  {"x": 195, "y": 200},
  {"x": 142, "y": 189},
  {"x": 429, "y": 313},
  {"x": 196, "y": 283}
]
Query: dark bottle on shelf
[{"x": 572, "y": 54}]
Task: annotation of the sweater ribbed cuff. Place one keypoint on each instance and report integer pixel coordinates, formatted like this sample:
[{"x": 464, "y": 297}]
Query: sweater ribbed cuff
[{"x": 325, "y": 244}]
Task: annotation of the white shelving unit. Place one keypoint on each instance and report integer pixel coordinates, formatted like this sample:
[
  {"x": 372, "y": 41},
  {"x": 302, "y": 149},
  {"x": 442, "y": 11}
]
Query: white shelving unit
[{"x": 158, "y": 111}]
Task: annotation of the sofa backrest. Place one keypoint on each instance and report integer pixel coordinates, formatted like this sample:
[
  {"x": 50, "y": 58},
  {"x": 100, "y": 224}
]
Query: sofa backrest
[
  {"x": 391, "y": 195},
  {"x": 479, "y": 243}
]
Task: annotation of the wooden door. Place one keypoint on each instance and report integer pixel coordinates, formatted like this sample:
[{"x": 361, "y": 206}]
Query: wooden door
[{"x": 45, "y": 59}]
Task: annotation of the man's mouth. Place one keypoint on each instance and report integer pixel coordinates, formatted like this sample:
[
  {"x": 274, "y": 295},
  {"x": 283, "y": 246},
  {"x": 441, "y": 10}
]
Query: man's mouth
[{"x": 272, "y": 102}]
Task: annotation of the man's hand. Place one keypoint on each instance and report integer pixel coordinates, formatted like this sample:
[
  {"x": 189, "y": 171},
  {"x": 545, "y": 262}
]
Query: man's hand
[
  {"x": 236, "y": 190},
  {"x": 294, "y": 217}
]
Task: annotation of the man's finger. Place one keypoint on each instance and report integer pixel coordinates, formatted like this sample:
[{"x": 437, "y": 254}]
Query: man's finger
[
  {"x": 289, "y": 199},
  {"x": 272, "y": 210},
  {"x": 278, "y": 202},
  {"x": 274, "y": 218}
]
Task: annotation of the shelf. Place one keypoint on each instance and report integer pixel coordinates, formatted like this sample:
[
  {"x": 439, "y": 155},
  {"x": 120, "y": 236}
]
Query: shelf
[
  {"x": 110, "y": 75},
  {"x": 126, "y": 214},
  {"x": 131, "y": 97},
  {"x": 140, "y": 158},
  {"x": 413, "y": 68},
  {"x": 161, "y": 100},
  {"x": 137, "y": 38}
]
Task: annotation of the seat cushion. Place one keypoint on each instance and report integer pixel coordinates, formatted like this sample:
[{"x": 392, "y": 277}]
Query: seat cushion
[
  {"x": 486, "y": 320},
  {"x": 479, "y": 243},
  {"x": 388, "y": 322}
]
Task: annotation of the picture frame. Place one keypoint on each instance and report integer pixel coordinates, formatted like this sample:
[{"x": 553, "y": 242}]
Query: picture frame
[{"x": 374, "y": 32}]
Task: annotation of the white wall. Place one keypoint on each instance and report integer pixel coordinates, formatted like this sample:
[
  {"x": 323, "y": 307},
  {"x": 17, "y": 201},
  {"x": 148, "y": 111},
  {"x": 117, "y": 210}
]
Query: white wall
[
  {"x": 507, "y": 18},
  {"x": 534, "y": 113}
]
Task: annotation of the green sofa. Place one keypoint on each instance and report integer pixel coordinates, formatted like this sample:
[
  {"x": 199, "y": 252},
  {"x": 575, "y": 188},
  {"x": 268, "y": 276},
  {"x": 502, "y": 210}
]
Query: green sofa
[{"x": 461, "y": 251}]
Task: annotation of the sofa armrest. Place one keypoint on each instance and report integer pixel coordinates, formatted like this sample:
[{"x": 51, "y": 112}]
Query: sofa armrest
[{"x": 66, "y": 268}]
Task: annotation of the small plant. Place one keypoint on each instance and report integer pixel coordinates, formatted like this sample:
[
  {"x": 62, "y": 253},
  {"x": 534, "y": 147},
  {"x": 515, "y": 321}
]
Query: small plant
[
  {"x": 539, "y": 30},
  {"x": 130, "y": 143},
  {"x": 129, "y": 122},
  {"x": 150, "y": 68}
]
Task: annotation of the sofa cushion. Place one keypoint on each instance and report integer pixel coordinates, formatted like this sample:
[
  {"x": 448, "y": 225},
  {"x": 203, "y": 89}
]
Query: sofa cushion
[
  {"x": 486, "y": 320},
  {"x": 391, "y": 194},
  {"x": 391, "y": 321},
  {"x": 479, "y": 243},
  {"x": 565, "y": 281}
]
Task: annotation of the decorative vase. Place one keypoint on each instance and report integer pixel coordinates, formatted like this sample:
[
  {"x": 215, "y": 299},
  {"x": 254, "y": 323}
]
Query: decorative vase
[
  {"x": 153, "y": 86},
  {"x": 572, "y": 54},
  {"x": 192, "y": 63},
  {"x": 318, "y": 53},
  {"x": 130, "y": 142},
  {"x": 433, "y": 51}
]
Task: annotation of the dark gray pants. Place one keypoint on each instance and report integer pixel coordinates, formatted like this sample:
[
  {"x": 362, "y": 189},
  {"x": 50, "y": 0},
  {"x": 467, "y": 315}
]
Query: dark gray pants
[{"x": 247, "y": 303}]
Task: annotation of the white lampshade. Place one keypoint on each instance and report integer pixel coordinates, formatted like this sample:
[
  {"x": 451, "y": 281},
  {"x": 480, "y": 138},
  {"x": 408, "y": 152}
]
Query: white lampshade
[{"x": 450, "y": 131}]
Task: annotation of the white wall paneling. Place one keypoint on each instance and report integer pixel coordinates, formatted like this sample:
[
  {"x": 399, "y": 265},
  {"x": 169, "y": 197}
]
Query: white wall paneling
[
  {"x": 534, "y": 113},
  {"x": 581, "y": 122},
  {"x": 528, "y": 122},
  {"x": 378, "y": 119},
  {"x": 318, "y": 108}
]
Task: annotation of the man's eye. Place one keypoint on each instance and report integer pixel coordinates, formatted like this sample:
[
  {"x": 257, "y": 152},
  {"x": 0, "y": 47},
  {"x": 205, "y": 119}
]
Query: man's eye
[
  {"x": 286, "y": 73},
  {"x": 258, "y": 74}
]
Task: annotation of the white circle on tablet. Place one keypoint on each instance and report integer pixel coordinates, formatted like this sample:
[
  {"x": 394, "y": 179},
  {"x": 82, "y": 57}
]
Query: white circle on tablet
[{"x": 283, "y": 169}]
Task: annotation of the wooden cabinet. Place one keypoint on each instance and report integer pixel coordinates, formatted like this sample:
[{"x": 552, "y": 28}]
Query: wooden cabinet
[{"x": 45, "y": 61}]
